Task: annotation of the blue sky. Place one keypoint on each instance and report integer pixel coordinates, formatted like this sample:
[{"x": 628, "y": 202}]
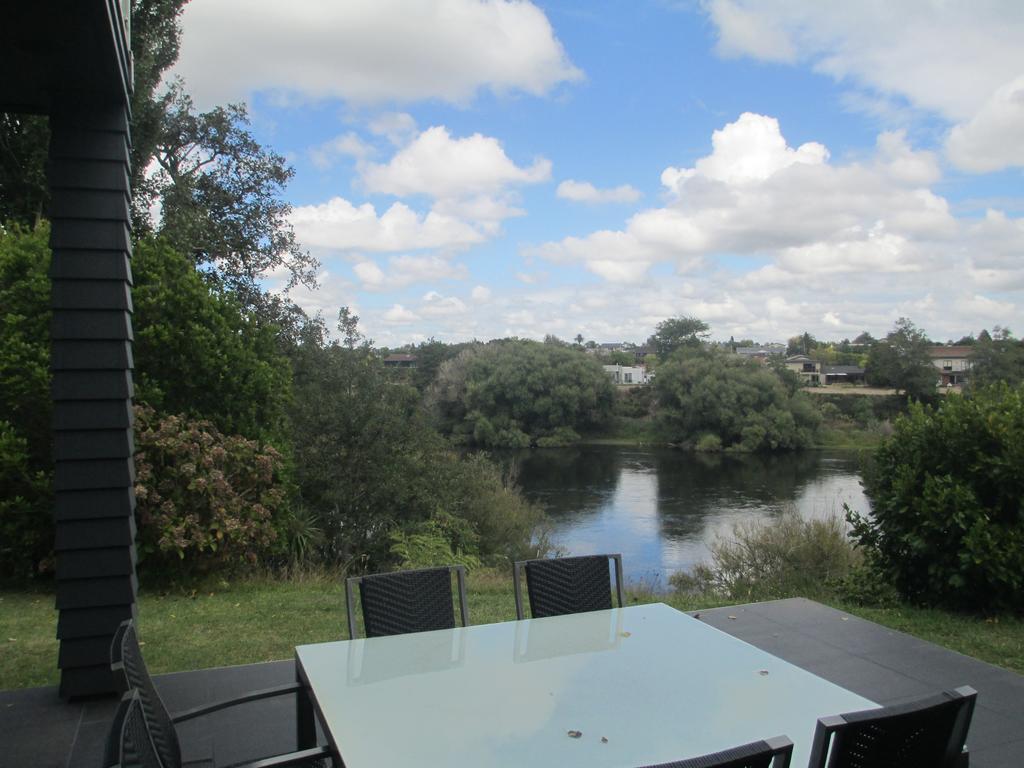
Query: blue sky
[{"x": 470, "y": 169}]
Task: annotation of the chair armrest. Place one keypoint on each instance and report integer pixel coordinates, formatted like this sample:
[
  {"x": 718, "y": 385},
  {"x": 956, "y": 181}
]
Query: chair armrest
[
  {"x": 265, "y": 693},
  {"x": 292, "y": 758}
]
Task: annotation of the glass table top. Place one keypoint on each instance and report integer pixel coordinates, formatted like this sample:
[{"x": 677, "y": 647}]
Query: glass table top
[{"x": 642, "y": 685}]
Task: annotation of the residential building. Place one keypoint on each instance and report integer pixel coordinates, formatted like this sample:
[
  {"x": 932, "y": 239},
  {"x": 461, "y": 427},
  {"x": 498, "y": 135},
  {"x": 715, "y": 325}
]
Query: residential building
[
  {"x": 400, "y": 361},
  {"x": 807, "y": 369},
  {"x": 842, "y": 374},
  {"x": 628, "y": 375},
  {"x": 953, "y": 364}
]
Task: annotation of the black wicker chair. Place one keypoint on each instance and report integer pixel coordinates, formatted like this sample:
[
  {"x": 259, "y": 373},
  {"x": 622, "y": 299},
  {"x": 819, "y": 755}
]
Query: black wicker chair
[
  {"x": 770, "y": 753},
  {"x": 128, "y": 743},
  {"x": 567, "y": 584},
  {"x": 928, "y": 732},
  {"x": 130, "y": 670},
  {"x": 407, "y": 601}
]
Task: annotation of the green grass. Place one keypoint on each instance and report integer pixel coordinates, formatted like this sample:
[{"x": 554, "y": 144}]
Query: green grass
[{"x": 263, "y": 619}]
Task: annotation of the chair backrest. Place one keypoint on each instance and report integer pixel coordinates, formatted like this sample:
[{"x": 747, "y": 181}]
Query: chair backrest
[
  {"x": 567, "y": 584},
  {"x": 407, "y": 601},
  {"x": 930, "y": 731},
  {"x": 758, "y": 754},
  {"x": 129, "y": 668},
  {"x": 129, "y": 744}
]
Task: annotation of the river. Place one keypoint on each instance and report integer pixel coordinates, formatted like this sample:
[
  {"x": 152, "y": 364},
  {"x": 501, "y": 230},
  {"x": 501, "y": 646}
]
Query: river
[{"x": 662, "y": 508}]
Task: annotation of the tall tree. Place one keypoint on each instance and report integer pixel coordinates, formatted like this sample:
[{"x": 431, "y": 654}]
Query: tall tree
[
  {"x": 677, "y": 333},
  {"x": 221, "y": 195},
  {"x": 901, "y": 361}
]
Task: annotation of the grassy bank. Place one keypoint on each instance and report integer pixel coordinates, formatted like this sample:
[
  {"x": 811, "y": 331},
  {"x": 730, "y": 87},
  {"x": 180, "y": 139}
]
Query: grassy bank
[{"x": 262, "y": 619}]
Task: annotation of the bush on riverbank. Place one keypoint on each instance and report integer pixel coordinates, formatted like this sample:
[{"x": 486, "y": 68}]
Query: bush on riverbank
[
  {"x": 947, "y": 524},
  {"x": 785, "y": 557}
]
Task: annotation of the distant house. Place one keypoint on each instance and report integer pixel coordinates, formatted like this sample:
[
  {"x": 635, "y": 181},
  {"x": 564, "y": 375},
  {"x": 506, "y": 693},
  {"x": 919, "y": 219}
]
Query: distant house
[
  {"x": 400, "y": 361},
  {"x": 842, "y": 374},
  {"x": 808, "y": 370},
  {"x": 953, "y": 364},
  {"x": 761, "y": 353},
  {"x": 628, "y": 375}
]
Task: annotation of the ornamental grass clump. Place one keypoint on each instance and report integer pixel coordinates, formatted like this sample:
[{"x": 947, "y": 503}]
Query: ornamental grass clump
[{"x": 205, "y": 501}]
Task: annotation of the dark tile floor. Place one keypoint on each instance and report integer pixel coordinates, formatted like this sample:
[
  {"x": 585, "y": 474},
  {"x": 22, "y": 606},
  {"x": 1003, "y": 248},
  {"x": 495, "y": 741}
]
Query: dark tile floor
[{"x": 38, "y": 729}]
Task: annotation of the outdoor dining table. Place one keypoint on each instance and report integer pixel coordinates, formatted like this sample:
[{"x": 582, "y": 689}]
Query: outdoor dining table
[{"x": 623, "y": 687}]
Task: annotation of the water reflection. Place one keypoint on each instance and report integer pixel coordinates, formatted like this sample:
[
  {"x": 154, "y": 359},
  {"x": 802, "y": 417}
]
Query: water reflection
[{"x": 662, "y": 508}]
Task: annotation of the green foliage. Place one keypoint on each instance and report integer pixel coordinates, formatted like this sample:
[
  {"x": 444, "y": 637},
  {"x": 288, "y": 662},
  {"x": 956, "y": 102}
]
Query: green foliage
[
  {"x": 901, "y": 361},
  {"x": 441, "y": 540},
  {"x": 676, "y": 333},
  {"x": 221, "y": 195},
  {"x": 26, "y": 516},
  {"x": 516, "y": 393},
  {"x": 746, "y": 405},
  {"x": 997, "y": 357},
  {"x": 708, "y": 443},
  {"x": 26, "y": 463},
  {"x": 947, "y": 521},
  {"x": 786, "y": 557},
  {"x": 375, "y": 471},
  {"x": 205, "y": 500},
  {"x": 198, "y": 352},
  {"x": 24, "y": 147}
]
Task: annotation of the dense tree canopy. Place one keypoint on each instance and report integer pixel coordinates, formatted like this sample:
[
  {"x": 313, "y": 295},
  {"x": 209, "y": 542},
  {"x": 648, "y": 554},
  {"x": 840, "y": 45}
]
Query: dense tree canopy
[
  {"x": 519, "y": 393},
  {"x": 997, "y": 357},
  {"x": 676, "y": 333},
  {"x": 736, "y": 403},
  {"x": 901, "y": 361},
  {"x": 199, "y": 352}
]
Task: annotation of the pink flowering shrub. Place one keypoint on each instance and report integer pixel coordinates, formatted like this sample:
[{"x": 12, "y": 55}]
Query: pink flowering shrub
[{"x": 205, "y": 500}]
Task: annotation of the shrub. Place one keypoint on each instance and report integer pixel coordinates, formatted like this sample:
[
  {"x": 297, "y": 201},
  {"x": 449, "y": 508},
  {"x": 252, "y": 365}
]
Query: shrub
[
  {"x": 204, "y": 500},
  {"x": 947, "y": 520},
  {"x": 26, "y": 510},
  {"x": 709, "y": 443},
  {"x": 786, "y": 557}
]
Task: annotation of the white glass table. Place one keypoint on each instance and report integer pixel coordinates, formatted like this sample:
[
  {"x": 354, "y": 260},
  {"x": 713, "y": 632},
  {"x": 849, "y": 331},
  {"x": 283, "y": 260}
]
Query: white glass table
[{"x": 642, "y": 685}]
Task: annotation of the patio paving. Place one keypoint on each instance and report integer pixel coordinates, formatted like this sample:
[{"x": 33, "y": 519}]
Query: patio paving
[{"x": 38, "y": 729}]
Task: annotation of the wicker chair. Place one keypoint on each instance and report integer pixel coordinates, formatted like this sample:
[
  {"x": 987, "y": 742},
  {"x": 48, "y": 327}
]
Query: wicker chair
[
  {"x": 128, "y": 743},
  {"x": 567, "y": 585},
  {"x": 928, "y": 732},
  {"x": 770, "y": 753},
  {"x": 406, "y": 601},
  {"x": 130, "y": 670}
]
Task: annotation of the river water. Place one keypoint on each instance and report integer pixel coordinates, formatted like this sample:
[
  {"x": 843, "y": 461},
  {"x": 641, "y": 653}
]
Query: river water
[{"x": 661, "y": 508}]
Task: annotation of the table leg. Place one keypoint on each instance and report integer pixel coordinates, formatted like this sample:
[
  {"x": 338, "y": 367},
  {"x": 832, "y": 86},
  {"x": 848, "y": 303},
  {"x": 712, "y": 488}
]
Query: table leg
[{"x": 305, "y": 724}]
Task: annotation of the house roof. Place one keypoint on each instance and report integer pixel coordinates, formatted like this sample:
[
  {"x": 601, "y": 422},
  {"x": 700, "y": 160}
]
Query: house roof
[
  {"x": 950, "y": 351},
  {"x": 799, "y": 359}
]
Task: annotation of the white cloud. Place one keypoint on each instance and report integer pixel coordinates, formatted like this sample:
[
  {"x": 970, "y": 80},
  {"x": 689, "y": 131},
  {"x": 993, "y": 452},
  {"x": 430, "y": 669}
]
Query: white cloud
[
  {"x": 962, "y": 61},
  {"x": 399, "y": 315},
  {"x": 435, "y": 305},
  {"x": 437, "y": 165},
  {"x": 585, "y": 192},
  {"x": 339, "y": 226},
  {"x": 756, "y": 195},
  {"x": 407, "y": 270},
  {"x": 991, "y": 140},
  {"x": 397, "y": 127},
  {"x": 481, "y": 293},
  {"x": 346, "y": 145},
  {"x": 369, "y": 50}
]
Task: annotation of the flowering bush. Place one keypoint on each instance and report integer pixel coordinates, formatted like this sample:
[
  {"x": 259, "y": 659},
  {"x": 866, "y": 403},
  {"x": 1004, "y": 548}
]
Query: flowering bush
[{"x": 204, "y": 500}]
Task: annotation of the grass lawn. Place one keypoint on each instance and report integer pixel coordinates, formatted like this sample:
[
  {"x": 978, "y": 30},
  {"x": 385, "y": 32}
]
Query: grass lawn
[{"x": 262, "y": 619}]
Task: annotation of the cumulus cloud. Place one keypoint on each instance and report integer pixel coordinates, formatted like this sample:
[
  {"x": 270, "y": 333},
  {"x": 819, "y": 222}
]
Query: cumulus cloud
[
  {"x": 435, "y": 304},
  {"x": 585, "y": 192},
  {"x": 962, "y": 61},
  {"x": 991, "y": 140},
  {"x": 481, "y": 293},
  {"x": 407, "y": 270},
  {"x": 338, "y": 226},
  {"x": 399, "y": 315},
  {"x": 396, "y": 127},
  {"x": 756, "y": 195},
  {"x": 369, "y": 50},
  {"x": 438, "y": 165},
  {"x": 346, "y": 145}
]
